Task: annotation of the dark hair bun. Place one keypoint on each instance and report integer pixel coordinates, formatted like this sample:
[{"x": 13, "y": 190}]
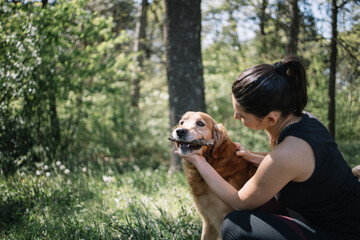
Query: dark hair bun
[{"x": 265, "y": 88}]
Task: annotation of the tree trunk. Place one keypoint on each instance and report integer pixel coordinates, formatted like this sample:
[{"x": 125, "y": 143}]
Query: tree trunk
[
  {"x": 294, "y": 28},
  {"x": 183, "y": 61},
  {"x": 233, "y": 25},
  {"x": 261, "y": 14},
  {"x": 54, "y": 120},
  {"x": 44, "y": 3},
  {"x": 139, "y": 50},
  {"x": 332, "y": 78}
]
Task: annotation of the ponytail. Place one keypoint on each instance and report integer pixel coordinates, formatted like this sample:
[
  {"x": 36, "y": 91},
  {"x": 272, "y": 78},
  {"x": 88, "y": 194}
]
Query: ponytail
[
  {"x": 296, "y": 75},
  {"x": 264, "y": 88}
]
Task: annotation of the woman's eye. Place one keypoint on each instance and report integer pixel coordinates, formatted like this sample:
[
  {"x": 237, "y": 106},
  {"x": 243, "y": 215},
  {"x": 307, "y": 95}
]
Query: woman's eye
[{"x": 201, "y": 124}]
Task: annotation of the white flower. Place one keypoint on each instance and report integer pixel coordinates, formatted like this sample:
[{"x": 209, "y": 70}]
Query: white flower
[
  {"x": 58, "y": 163},
  {"x": 136, "y": 168},
  {"x": 46, "y": 167},
  {"x": 38, "y": 172},
  {"x": 67, "y": 171},
  {"x": 62, "y": 167},
  {"x": 84, "y": 169},
  {"x": 47, "y": 174},
  {"x": 116, "y": 200},
  {"x": 108, "y": 179}
]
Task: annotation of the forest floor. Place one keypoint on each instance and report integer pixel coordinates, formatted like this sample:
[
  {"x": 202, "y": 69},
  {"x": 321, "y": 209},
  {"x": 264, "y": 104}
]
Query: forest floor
[
  {"x": 93, "y": 204},
  {"x": 96, "y": 202}
]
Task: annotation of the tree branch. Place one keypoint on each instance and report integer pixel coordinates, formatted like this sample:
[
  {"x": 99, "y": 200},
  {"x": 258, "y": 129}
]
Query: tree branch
[
  {"x": 343, "y": 4},
  {"x": 348, "y": 49}
]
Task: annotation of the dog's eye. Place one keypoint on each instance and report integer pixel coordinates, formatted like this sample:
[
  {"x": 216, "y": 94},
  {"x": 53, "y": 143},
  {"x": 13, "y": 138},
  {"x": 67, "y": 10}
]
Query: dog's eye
[
  {"x": 201, "y": 124},
  {"x": 182, "y": 122}
]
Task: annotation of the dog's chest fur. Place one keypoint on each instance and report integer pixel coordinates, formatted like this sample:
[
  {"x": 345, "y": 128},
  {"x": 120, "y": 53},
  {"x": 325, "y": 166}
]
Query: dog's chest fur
[{"x": 234, "y": 170}]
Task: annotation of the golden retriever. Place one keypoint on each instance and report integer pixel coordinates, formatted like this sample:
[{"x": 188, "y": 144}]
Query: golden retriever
[{"x": 197, "y": 132}]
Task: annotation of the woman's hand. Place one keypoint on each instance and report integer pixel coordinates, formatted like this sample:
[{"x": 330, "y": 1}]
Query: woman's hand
[
  {"x": 242, "y": 152},
  {"x": 255, "y": 159},
  {"x": 192, "y": 158}
]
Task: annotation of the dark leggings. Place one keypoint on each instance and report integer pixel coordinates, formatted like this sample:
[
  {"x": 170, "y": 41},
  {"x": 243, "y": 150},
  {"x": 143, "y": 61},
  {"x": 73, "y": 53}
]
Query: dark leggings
[{"x": 266, "y": 226}]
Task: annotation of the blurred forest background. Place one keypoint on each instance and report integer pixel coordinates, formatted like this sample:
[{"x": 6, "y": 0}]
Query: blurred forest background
[
  {"x": 90, "y": 89},
  {"x": 85, "y": 81}
]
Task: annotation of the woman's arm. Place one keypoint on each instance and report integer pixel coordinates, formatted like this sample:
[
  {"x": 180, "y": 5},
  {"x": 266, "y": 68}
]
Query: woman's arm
[
  {"x": 252, "y": 195},
  {"x": 254, "y": 157},
  {"x": 283, "y": 164}
]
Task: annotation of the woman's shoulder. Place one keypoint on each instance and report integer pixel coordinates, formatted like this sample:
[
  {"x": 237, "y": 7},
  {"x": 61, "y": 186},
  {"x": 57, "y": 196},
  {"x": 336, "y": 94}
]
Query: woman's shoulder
[
  {"x": 297, "y": 155},
  {"x": 291, "y": 147}
]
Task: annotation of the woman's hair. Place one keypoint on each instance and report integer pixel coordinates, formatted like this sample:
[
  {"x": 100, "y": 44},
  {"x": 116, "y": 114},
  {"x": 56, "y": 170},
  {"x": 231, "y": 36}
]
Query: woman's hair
[{"x": 265, "y": 88}]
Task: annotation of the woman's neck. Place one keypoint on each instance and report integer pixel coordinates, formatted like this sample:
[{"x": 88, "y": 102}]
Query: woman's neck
[{"x": 281, "y": 124}]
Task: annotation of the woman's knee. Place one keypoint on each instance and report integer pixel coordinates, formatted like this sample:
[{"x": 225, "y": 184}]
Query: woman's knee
[{"x": 231, "y": 229}]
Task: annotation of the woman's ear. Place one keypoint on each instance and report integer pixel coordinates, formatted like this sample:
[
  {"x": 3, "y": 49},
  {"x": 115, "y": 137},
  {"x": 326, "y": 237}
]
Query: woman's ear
[{"x": 272, "y": 118}]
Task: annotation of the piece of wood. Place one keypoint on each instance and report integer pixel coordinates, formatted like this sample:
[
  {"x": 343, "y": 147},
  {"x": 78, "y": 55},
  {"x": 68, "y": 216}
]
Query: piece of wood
[{"x": 197, "y": 142}]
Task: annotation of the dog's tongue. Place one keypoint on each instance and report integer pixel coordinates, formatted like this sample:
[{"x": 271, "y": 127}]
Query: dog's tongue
[{"x": 194, "y": 142}]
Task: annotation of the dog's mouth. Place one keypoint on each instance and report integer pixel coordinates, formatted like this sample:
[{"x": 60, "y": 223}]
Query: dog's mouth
[{"x": 187, "y": 146}]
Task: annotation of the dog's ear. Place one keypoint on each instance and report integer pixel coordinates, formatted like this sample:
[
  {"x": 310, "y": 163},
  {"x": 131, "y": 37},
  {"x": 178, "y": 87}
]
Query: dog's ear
[{"x": 220, "y": 136}]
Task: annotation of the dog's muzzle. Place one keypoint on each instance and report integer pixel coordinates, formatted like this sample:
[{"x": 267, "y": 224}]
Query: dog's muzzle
[{"x": 187, "y": 147}]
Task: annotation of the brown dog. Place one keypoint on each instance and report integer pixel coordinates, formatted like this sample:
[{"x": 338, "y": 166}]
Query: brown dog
[{"x": 197, "y": 132}]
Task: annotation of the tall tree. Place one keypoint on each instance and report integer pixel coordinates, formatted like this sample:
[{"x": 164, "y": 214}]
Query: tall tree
[
  {"x": 183, "y": 61},
  {"x": 333, "y": 61},
  {"x": 294, "y": 28},
  {"x": 333, "y": 57},
  {"x": 332, "y": 78},
  {"x": 261, "y": 13},
  {"x": 139, "y": 50},
  {"x": 263, "y": 21}
]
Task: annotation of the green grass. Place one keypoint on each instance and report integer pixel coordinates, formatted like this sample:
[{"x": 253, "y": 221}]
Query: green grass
[
  {"x": 104, "y": 201},
  {"x": 139, "y": 204}
]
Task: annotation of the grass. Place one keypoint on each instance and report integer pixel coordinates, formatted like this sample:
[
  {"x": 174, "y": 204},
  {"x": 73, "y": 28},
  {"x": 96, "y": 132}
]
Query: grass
[
  {"x": 103, "y": 202},
  {"x": 88, "y": 204}
]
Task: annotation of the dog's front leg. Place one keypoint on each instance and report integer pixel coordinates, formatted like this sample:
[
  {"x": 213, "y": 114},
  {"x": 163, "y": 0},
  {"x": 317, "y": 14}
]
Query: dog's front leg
[{"x": 209, "y": 231}]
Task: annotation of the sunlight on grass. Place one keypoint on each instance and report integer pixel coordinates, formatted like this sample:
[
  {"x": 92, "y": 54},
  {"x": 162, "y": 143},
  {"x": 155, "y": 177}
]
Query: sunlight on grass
[
  {"x": 98, "y": 202},
  {"x": 84, "y": 204}
]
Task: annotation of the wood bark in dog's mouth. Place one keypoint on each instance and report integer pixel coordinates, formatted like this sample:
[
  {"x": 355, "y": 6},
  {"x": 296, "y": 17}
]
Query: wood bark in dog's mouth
[
  {"x": 196, "y": 142},
  {"x": 187, "y": 147}
]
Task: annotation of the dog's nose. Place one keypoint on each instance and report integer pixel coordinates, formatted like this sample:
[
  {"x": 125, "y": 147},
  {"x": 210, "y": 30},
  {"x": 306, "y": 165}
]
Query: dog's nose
[{"x": 181, "y": 132}]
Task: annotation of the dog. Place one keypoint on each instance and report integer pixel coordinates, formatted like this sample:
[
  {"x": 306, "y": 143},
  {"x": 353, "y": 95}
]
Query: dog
[{"x": 198, "y": 133}]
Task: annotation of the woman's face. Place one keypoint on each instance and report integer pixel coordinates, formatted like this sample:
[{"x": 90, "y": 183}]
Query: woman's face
[{"x": 248, "y": 119}]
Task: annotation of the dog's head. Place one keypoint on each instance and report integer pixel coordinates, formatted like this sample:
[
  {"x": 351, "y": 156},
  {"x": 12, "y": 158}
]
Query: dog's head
[{"x": 197, "y": 132}]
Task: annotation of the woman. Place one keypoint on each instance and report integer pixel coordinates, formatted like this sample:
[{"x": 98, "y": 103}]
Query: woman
[{"x": 304, "y": 170}]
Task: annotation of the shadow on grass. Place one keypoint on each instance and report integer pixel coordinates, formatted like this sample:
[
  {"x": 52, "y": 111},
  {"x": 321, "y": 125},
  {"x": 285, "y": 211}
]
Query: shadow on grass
[
  {"x": 140, "y": 223},
  {"x": 44, "y": 208}
]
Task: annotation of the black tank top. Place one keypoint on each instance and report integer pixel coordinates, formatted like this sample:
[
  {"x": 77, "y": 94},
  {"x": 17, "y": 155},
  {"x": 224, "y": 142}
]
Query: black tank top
[{"x": 330, "y": 198}]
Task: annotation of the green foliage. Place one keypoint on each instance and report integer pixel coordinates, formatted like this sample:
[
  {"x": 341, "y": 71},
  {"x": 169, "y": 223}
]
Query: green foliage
[
  {"x": 91, "y": 203},
  {"x": 66, "y": 70},
  {"x": 76, "y": 160},
  {"x": 56, "y": 64}
]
